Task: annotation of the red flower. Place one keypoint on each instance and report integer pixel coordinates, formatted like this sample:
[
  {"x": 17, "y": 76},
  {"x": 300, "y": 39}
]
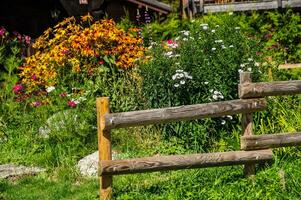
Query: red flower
[
  {"x": 34, "y": 77},
  {"x": 71, "y": 104},
  {"x": 101, "y": 62},
  {"x": 64, "y": 52},
  {"x": 17, "y": 88},
  {"x": 170, "y": 42}
]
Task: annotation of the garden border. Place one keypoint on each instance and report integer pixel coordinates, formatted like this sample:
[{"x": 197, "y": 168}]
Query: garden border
[{"x": 255, "y": 148}]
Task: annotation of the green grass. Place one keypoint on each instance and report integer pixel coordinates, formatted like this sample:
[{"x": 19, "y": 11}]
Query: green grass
[
  {"x": 62, "y": 181},
  {"x": 209, "y": 183}
]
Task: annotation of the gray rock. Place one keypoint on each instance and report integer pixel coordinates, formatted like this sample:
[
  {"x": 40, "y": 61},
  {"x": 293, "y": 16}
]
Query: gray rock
[
  {"x": 58, "y": 122},
  {"x": 88, "y": 166},
  {"x": 11, "y": 170}
]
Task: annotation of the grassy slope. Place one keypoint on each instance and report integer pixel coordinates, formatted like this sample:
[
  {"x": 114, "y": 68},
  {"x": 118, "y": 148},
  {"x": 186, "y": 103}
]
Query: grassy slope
[
  {"x": 61, "y": 181},
  {"x": 211, "y": 183}
]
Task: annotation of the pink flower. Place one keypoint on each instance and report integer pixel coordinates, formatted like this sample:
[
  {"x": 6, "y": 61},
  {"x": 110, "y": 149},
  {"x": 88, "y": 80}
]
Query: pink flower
[
  {"x": 172, "y": 44},
  {"x": 101, "y": 62},
  {"x": 27, "y": 39},
  {"x": 64, "y": 94},
  {"x": 36, "y": 104},
  {"x": 71, "y": 104},
  {"x": 17, "y": 88},
  {"x": 34, "y": 77},
  {"x": 2, "y": 31},
  {"x": 18, "y": 35}
]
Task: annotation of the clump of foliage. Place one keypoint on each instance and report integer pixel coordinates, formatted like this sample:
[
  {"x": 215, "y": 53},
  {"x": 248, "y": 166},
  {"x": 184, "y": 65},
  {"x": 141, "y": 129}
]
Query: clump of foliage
[
  {"x": 280, "y": 33},
  {"x": 12, "y": 50},
  {"x": 77, "y": 51},
  {"x": 200, "y": 65}
]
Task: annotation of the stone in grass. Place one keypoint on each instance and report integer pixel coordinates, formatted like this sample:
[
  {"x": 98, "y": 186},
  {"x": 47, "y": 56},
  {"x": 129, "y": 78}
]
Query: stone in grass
[
  {"x": 60, "y": 121},
  {"x": 88, "y": 166},
  {"x": 11, "y": 170}
]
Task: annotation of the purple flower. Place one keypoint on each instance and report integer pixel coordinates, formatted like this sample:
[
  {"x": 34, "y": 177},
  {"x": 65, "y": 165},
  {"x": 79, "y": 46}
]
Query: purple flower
[
  {"x": 147, "y": 18},
  {"x": 138, "y": 18},
  {"x": 18, "y": 35},
  {"x": 64, "y": 94}
]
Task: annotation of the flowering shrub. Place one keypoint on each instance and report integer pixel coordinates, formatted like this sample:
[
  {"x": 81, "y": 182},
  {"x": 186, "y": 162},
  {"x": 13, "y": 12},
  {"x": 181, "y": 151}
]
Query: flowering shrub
[
  {"x": 72, "y": 48},
  {"x": 13, "y": 48},
  {"x": 201, "y": 64}
]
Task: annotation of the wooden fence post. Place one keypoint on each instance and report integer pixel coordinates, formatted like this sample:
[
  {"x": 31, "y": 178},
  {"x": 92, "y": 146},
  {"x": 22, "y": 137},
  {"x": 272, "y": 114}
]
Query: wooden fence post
[
  {"x": 104, "y": 146},
  {"x": 247, "y": 124}
]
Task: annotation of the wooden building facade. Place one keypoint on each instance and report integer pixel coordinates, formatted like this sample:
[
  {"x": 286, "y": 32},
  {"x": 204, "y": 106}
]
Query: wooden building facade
[{"x": 32, "y": 17}]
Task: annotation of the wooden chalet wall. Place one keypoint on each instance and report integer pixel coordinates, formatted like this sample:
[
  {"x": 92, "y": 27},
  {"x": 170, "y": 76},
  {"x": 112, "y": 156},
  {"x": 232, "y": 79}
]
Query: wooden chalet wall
[{"x": 30, "y": 17}]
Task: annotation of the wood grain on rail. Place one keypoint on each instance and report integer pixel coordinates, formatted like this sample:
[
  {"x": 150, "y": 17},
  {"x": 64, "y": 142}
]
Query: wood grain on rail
[
  {"x": 189, "y": 112},
  {"x": 276, "y": 88},
  {"x": 270, "y": 141},
  {"x": 174, "y": 162}
]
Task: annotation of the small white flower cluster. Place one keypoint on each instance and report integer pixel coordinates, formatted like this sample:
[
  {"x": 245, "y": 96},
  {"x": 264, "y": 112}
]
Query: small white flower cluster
[
  {"x": 204, "y": 26},
  {"x": 248, "y": 65},
  {"x": 173, "y": 45},
  {"x": 185, "y": 33},
  {"x": 79, "y": 100},
  {"x": 50, "y": 89},
  {"x": 170, "y": 54},
  {"x": 216, "y": 95},
  {"x": 152, "y": 45},
  {"x": 181, "y": 77},
  {"x": 228, "y": 117},
  {"x": 185, "y": 36},
  {"x": 218, "y": 41}
]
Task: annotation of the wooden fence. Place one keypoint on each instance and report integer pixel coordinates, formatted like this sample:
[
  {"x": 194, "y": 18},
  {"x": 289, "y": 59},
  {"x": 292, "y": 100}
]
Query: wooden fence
[
  {"x": 254, "y": 148},
  {"x": 191, "y": 7}
]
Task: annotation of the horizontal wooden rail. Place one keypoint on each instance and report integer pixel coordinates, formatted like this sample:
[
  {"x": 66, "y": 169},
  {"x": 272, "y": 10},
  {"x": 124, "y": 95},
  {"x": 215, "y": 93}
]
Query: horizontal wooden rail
[
  {"x": 197, "y": 111},
  {"x": 255, "y": 90},
  {"x": 243, "y": 6},
  {"x": 151, "y": 164},
  {"x": 254, "y": 142},
  {"x": 289, "y": 66}
]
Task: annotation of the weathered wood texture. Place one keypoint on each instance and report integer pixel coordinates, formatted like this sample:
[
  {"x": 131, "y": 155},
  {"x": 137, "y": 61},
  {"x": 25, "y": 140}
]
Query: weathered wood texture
[
  {"x": 289, "y": 66},
  {"x": 151, "y": 164},
  {"x": 247, "y": 123},
  {"x": 270, "y": 141},
  {"x": 197, "y": 111},
  {"x": 291, "y": 3},
  {"x": 255, "y": 90},
  {"x": 244, "y": 6},
  {"x": 104, "y": 145}
]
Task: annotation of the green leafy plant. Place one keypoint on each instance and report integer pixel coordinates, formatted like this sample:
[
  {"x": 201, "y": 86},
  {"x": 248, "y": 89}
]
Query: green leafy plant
[{"x": 200, "y": 65}]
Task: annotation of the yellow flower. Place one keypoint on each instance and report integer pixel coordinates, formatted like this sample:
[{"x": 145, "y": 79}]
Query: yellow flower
[{"x": 87, "y": 17}]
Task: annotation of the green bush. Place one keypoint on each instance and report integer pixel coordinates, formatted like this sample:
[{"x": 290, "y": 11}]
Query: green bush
[
  {"x": 280, "y": 32},
  {"x": 200, "y": 65}
]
